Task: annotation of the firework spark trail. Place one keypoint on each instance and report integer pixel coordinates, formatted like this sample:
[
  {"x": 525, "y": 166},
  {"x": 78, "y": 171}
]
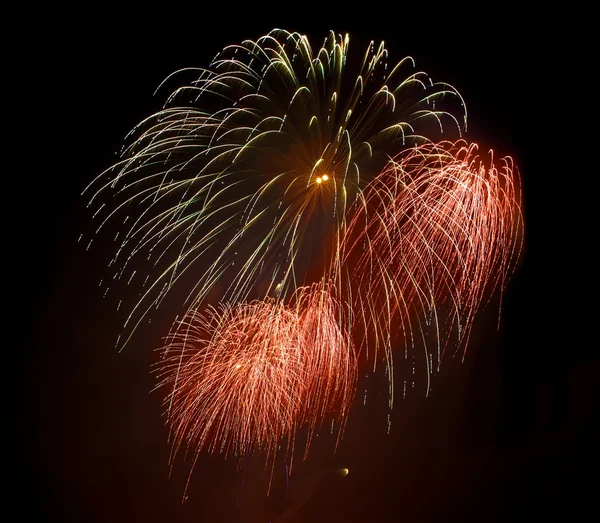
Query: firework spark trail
[
  {"x": 255, "y": 158},
  {"x": 440, "y": 227},
  {"x": 246, "y": 376}
]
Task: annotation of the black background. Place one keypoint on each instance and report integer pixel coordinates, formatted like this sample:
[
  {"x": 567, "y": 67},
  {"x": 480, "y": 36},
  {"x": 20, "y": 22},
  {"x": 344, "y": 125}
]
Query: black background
[{"x": 506, "y": 435}]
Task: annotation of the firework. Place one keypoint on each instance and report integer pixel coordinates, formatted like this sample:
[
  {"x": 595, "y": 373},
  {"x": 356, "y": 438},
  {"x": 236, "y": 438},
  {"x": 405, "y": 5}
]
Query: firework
[
  {"x": 440, "y": 229},
  {"x": 301, "y": 191},
  {"x": 247, "y": 376},
  {"x": 254, "y": 160}
]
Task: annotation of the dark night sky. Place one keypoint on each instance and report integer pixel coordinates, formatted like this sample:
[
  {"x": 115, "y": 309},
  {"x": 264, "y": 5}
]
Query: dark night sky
[{"x": 504, "y": 436}]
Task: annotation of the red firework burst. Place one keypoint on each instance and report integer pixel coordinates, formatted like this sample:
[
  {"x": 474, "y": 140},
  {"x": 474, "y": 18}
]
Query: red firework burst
[
  {"x": 438, "y": 227},
  {"x": 246, "y": 376}
]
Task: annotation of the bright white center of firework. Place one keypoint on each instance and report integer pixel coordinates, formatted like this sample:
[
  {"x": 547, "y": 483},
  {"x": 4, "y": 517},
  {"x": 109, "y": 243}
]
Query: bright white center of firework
[{"x": 322, "y": 179}]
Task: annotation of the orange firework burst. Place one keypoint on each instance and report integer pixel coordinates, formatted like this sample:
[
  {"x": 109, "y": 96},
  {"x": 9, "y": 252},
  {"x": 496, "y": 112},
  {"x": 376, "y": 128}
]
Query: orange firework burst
[
  {"x": 438, "y": 227},
  {"x": 247, "y": 376}
]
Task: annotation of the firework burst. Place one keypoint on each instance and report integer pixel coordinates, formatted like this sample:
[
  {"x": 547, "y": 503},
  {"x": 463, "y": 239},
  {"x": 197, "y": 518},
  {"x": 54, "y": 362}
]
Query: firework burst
[
  {"x": 254, "y": 160},
  {"x": 300, "y": 189},
  {"x": 440, "y": 229},
  {"x": 245, "y": 377}
]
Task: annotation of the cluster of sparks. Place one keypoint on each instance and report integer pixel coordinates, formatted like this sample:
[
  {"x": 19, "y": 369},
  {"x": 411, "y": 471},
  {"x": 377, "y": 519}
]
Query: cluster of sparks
[
  {"x": 315, "y": 218},
  {"x": 439, "y": 229},
  {"x": 264, "y": 370}
]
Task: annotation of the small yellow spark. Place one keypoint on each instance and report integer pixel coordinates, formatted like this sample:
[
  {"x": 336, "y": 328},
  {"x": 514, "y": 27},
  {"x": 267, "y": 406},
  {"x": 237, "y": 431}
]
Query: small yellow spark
[
  {"x": 325, "y": 177},
  {"x": 319, "y": 179}
]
